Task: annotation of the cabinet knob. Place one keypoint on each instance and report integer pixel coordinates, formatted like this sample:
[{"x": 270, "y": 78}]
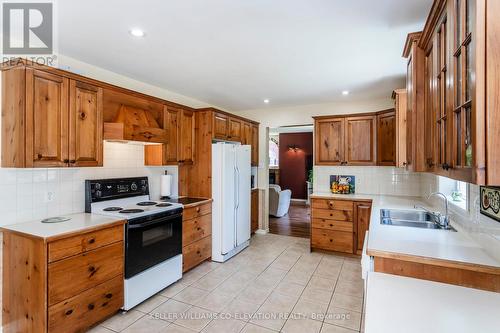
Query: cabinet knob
[
  {"x": 83, "y": 115},
  {"x": 198, "y": 252},
  {"x": 331, "y": 240},
  {"x": 92, "y": 241},
  {"x": 198, "y": 229},
  {"x": 109, "y": 295},
  {"x": 91, "y": 306},
  {"x": 66, "y": 160},
  {"x": 91, "y": 269},
  {"x": 197, "y": 209},
  {"x": 69, "y": 312},
  {"x": 39, "y": 156},
  {"x": 72, "y": 161}
]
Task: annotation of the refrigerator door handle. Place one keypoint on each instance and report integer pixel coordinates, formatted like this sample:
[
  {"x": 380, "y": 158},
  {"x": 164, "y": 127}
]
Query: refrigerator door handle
[{"x": 236, "y": 199}]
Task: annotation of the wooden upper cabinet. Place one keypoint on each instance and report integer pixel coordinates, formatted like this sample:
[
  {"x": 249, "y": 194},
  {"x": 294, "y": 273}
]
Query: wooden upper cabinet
[
  {"x": 246, "y": 137},
  {"x": 235, "y": 129},
  {"x": 386, "y": 138},
  {"x": 220, "y": 126},
  {"x": 415, "y": 119},
  {"x": 255, "y": 145},
  {"x": 329, "y": 141},
  {"x": 360, "y": 140},
  {"x": 186, "y": 144},
  {"x": 85, "y": 125},
  {"x": 46, "y": 119},
  {"x": 171, "y": 123},
  {"x": 399, "y": 96}
]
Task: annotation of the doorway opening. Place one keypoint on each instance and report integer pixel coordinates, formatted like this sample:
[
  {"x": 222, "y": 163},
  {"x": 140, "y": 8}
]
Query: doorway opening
[{"x": 290, "y": 180}]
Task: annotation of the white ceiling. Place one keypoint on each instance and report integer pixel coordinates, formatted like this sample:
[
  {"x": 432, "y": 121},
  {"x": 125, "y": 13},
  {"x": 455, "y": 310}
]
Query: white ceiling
[{"x": 236, "y": 53}]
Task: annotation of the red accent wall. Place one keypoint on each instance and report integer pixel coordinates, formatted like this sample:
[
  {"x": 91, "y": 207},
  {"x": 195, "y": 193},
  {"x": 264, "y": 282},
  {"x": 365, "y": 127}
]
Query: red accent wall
[{"x": 293, "y": 164}]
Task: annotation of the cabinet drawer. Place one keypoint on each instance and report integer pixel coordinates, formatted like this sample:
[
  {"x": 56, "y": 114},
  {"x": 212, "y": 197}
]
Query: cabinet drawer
[
  {"x": 196, "y": 229},
  {"x": 332, "y": 214},
  {"x": 196, "y": 252},
  {"x": 332, "y": 225},
  {"x": 340, "y": 241},
  {"x": 88, "y": 308},
  {"x": 332, "y": 204},
  {"x": 192, "y": 212},
  {"x": 71, "y": 276},
  {"x": 71, "y": 246}
]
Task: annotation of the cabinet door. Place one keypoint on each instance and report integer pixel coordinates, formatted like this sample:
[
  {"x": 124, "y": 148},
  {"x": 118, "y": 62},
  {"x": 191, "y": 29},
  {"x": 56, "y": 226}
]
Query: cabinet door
[
  {"x": 254, "y": 220},
  {"x": 255, "y": 145},
  {"x": 46, "y": 119},
  {"x": 409, "y": 115},
  {"x": 386, "y": 138},
  {"x": 400, "y": 105},
  {"x": 86, "y": 125},
  {"x": 234, "y": 129},
  {"x": 362, "y": 215},
  {"x": 246, "y": 138},
  {"x": 171, "y": 123},
  {"x": 186, "y": 137},
  {"x": 221, "y": 126},
  {"x": 360, "y": 140},
  {"x": 329, "y": 141}
]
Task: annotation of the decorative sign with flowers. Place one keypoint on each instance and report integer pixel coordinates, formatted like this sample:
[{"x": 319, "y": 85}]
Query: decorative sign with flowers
[{"x": 490, "y": 202}]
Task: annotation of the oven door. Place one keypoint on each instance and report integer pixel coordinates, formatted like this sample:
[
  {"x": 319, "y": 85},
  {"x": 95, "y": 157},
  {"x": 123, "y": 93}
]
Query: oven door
[{"x": 150, "y": 241}]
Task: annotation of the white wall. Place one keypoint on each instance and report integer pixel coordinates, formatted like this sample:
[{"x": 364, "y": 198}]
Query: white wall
[
  {"x": 371, "y": 180},
  {"x": 24, "y": 192}
]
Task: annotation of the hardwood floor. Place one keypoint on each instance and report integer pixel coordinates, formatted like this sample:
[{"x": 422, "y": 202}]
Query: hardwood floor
[{"x": 296, "y": 223}]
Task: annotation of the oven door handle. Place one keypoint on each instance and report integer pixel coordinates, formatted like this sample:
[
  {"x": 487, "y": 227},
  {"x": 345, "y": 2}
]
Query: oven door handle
[{"x": 154, "y": 222}]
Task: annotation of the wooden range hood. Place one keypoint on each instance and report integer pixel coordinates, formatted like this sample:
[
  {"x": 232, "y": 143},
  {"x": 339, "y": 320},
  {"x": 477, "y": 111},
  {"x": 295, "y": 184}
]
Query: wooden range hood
[{"x": 134, "y": 124}]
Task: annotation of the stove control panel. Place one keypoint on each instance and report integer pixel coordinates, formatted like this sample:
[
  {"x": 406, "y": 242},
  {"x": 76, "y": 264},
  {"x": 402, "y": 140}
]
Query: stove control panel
[{"x": 114, "y": 188}]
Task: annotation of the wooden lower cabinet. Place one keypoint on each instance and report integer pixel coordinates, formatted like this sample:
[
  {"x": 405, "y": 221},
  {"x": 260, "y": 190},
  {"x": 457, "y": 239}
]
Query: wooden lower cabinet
[
  {"x": 254, "y": 215},
  {"x": 196, "y": 235},
  {"x": 339, "y": 225},
  {"x": 62, "y": 284}
]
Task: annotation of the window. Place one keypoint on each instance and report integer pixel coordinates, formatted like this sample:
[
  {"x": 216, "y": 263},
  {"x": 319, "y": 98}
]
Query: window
[
  {"x": 456, "y": 191},
  {"x": 274, "y": 152}
]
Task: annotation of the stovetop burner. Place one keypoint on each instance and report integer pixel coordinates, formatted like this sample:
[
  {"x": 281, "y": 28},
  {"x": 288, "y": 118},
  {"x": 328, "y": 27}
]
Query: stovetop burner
[
  {"x": 131, "y": 211},
  {"x": 112, "y": 209},
  {"x": 146, "y": 203},
  {"x": 164, "y": 204}
]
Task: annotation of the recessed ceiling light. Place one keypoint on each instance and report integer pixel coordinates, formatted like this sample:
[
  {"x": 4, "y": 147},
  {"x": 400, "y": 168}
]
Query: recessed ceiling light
[
  {"x": 345, "y": 92},
  {"x": 137, "y": 32},
  {"x": 266, "y": 101}
]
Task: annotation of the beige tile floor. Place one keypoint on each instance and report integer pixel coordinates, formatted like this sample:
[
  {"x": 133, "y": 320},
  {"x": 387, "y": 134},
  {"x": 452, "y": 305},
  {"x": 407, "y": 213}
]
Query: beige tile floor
[{"x": 275, "y": 285}]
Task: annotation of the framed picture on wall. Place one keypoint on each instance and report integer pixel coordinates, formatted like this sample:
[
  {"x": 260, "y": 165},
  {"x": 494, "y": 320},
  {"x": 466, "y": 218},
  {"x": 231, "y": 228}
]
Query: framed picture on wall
[{"x": 490, "y": 202}]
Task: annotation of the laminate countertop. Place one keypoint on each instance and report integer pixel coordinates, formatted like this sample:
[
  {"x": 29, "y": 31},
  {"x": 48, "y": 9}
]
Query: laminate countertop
[
  {"x": 397, "y": 304},
  {"x": 81, "y": 222},
  {"x": 440, "y": 245}
]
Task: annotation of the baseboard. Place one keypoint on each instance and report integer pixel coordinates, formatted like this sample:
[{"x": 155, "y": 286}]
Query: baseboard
[{"x": 258, "y": 231}]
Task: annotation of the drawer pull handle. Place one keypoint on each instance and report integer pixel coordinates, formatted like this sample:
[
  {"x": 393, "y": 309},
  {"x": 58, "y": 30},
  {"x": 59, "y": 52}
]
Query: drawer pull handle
[
  {"x": 109, "y": 295},
  {"x": 104, "y": 304},
  {"x": 91, "y": 269},
  {"x": 69, "y": 312},
  {"x": 198, "y": 229},
  {"x": 331, "y": 225},
  {"x": 197, "y": 209},
  {"x": 92, "y": 241},
  {"x": 331, "y": 214},
  {"x": 91, "y": 306}
]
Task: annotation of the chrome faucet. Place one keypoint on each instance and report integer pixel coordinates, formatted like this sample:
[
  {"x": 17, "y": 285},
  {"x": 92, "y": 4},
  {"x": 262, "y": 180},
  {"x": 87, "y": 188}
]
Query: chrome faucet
[{"x": 444, "y": 221}]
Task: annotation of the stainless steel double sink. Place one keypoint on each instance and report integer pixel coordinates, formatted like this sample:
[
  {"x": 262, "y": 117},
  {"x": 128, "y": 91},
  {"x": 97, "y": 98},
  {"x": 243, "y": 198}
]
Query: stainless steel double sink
[{"x": 410, "y": 218}]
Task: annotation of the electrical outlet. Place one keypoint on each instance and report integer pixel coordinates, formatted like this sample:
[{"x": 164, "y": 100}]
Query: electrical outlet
[{"x": 50, "y": 196}]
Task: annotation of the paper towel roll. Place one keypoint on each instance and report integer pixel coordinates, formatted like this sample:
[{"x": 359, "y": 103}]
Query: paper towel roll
[{"x": 165, "y": 185}]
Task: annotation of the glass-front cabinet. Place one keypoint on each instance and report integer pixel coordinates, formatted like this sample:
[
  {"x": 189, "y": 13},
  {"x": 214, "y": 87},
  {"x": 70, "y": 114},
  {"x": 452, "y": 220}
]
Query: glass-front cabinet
[{"x": 460, "y": 90}]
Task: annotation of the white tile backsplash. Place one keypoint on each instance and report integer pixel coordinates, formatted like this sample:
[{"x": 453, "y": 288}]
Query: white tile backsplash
[
  {"x": 371, "y": 180},
  {"x": 24, "y": 192}
]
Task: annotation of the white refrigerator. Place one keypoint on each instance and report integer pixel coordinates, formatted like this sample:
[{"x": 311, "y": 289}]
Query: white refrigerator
[{"x": 231, "y": 199}]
